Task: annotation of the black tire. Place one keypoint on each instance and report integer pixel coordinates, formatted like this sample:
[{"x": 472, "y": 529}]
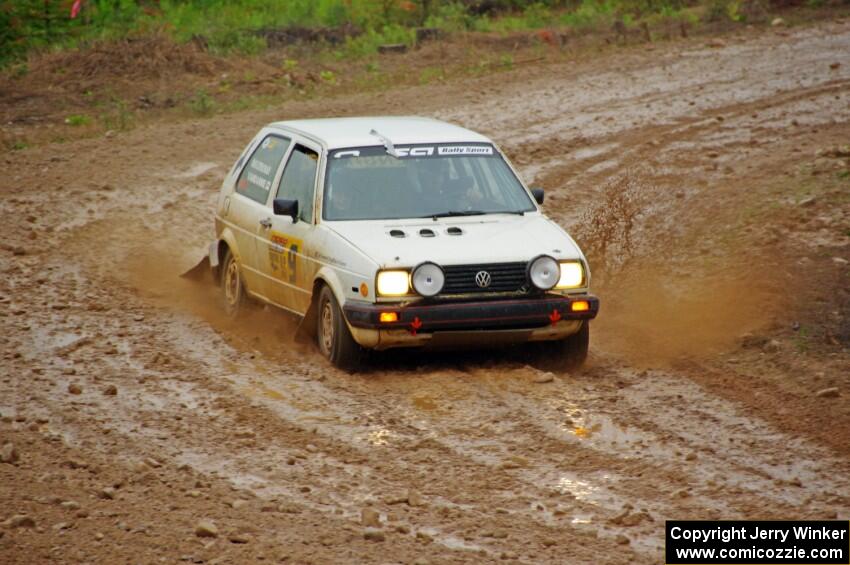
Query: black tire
[
  {"x": 568, "y": 354},
  {"x": 233, "y": 296},
  {"x": 333, "y": 336}
]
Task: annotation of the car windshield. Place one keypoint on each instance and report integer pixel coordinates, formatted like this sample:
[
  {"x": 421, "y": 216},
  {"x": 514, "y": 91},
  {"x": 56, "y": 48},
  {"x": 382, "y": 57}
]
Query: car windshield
[{"x": 421, "y": 181}]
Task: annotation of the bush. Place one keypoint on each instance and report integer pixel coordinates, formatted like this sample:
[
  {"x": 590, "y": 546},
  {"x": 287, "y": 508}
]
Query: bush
[
  {"x": 368, "y": 42},
  {"x": 591, "y": 13}
]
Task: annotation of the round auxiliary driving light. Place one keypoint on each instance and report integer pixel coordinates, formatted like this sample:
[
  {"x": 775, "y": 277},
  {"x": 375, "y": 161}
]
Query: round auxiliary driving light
[
  {"x": 544, "y": 272},
  {"x": 428, "y": 279}
]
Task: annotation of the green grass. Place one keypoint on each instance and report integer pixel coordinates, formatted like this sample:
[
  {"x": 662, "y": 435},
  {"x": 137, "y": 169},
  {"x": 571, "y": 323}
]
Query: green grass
[
  {"x": 431, "y": 74},
  {"x": 78, "y": 120},
  {"x": 201, "y": 103},
  {"x": 116, "y": 115},
  {"x": 232, "y": 26}
]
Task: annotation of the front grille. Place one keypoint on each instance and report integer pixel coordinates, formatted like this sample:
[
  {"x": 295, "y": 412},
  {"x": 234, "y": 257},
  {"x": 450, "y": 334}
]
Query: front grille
[{"x": 504, "y": 277}]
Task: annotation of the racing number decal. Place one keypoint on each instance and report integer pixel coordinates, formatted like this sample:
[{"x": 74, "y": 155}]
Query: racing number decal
[{"x": 283, "y": 256}]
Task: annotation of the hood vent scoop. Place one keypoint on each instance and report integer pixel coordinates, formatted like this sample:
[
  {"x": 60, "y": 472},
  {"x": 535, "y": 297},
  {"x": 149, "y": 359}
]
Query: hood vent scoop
[
  {"x": 454, "y": 230},
  {"x": 397, "y": 233},
  {"x": 427, "y": 232}
]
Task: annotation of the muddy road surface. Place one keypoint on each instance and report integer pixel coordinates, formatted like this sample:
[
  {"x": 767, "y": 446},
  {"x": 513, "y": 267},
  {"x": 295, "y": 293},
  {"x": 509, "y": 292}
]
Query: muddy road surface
[{"x": 708, "y": 185}]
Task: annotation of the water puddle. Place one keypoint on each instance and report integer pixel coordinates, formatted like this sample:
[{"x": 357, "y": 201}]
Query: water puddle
[{"x": 196, "y": 170}]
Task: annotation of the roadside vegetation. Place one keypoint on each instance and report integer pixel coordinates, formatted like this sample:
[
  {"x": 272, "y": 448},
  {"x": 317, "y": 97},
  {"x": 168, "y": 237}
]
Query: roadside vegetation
[
  {"x": 352, "y": 27},
  {"x": 71, "y": 69}
]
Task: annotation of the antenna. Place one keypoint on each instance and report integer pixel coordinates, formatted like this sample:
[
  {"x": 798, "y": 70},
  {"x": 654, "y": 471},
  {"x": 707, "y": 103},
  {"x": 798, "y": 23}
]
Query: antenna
[{"x": 387, "y": 143}]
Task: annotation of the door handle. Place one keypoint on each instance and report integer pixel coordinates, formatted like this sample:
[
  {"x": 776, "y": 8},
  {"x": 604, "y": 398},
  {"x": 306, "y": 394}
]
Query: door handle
[{"x": 266, "y": 223}]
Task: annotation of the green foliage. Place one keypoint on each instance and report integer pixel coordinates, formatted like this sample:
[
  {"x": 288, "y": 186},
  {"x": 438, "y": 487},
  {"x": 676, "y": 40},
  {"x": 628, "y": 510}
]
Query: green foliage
[
  {"x": 201, "y": 103},
  {"x": 724, "y": 10},
  {"x": 77, "y": 120},
  {"x": 117, "y": 115},
  {"x": 451, "y": 16},
  {"x": 591, "y": 13},
  {"x": 431, "y": 74},
  {"x": 367, "y": 43},
  {"x": 234, "y": 41},
  {"x": 233, "y": 26},
  {"x": 19, "y": 70}
]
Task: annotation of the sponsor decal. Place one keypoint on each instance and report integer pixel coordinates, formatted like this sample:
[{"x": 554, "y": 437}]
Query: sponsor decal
[
  {"x": 426, "y": 151},
  {"x": 283, "y": 256},
  {"x": 261, "y": 167},
  {"x": 465, "y": 150},
  {"x": 414, "y": 151},
  {"x": 258, "y": 181}
]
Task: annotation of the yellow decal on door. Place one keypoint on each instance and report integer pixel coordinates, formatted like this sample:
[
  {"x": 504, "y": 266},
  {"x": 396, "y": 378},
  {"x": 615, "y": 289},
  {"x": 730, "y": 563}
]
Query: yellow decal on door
[{"x": 283, "y": 256}]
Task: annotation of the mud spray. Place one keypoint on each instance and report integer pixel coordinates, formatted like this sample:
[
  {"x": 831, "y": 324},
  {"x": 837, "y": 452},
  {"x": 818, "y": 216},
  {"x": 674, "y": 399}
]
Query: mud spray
[{"x": 659, "y": 307}]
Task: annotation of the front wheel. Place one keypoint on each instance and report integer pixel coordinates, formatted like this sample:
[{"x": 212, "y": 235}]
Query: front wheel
[
  {"x": 334, "y": 338},
  {"x": 566, "y": 354}
]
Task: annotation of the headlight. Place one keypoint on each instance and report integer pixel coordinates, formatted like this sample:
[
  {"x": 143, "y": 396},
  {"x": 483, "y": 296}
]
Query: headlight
[
  {"x": 544, "y": 272},
  {"x": 393, "y": 283},
  {"x": 428, "y": 279},
  {"x": 572, "y": 275}
]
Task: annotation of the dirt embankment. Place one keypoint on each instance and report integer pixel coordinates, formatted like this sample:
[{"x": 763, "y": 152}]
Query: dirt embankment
[{"x": 144, "y": 427}]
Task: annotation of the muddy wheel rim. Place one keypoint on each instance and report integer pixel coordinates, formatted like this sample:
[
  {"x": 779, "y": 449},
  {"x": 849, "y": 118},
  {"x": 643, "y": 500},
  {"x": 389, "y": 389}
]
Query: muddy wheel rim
[
  {"x": 231, "y": 283},
  {"x": 327, "y": 328}
]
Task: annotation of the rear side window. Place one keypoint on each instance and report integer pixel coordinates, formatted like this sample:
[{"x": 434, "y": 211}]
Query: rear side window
[{"x": 256, "y": 179}]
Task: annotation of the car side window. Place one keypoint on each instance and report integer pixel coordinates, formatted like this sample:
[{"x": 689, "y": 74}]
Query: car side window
[
  {"x": 299, "y": 180},
  {"x": 256, "y": 178}
]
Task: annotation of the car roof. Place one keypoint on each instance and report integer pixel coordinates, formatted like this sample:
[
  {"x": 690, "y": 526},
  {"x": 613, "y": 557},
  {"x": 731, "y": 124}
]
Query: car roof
[{"x": 338, "y": 133}]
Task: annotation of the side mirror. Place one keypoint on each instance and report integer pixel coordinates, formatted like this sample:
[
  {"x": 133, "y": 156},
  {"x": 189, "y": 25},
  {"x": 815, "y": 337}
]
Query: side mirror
[
  {"x": 284, "y": 207},
  {"x": 538, "y": 195}
]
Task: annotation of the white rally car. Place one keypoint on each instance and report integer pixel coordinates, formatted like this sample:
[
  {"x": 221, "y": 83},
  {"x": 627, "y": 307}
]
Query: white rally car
[{"x": 397, "y": 232}]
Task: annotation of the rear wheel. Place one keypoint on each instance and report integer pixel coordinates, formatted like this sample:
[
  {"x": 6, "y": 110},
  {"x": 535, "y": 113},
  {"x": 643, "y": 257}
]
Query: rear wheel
[
  {"x": 334, "y": 338},
  {"x": 232, "y": 289},
  {"x": 566, "y": 354}
]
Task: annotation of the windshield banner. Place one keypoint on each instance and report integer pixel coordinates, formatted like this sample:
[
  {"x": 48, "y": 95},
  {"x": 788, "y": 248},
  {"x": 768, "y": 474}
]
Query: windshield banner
[{"x": 418, "y": 151}]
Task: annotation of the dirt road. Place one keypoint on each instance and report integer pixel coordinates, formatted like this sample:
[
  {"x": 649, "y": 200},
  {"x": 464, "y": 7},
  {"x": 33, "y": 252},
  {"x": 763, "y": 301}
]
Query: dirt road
[{"x": 136, "y": 411}]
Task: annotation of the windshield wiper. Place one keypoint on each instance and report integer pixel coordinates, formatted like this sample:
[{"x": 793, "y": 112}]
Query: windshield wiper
[{"x": 452, "y": 213}]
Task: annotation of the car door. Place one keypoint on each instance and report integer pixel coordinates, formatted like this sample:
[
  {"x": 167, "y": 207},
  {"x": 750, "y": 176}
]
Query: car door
[
  {"x": 288, "y": 242},
  {"x": 247, "y": 211}
]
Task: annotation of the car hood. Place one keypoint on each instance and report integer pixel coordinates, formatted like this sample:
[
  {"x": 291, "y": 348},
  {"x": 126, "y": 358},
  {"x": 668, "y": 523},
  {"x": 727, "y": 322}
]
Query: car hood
[{"x": 495, "y": 238}]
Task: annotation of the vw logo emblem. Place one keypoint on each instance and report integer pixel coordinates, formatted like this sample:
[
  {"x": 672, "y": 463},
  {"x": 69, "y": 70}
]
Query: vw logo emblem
[{"x": 482, "y": 279}]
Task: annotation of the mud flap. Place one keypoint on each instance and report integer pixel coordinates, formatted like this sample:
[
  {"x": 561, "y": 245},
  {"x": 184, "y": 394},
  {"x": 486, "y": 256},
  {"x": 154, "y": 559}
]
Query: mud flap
[
  {"x": 306, "y": 330},
  {"x": 206, "y": 268},
  {"x": 200, "y": 271}
]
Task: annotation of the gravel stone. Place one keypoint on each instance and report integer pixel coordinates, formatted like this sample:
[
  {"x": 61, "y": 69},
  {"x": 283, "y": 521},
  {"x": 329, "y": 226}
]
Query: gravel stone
[
  {"x": 9, "y": 454},
  {"x": 372, "y": 534},
  {"x": 206, "y": 529},
  {"x": 370, "y": 518}
]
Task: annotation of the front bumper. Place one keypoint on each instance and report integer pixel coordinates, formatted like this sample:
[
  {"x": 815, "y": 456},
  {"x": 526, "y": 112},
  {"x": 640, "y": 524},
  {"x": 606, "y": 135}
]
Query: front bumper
[{"x": 546, "y": 317}]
